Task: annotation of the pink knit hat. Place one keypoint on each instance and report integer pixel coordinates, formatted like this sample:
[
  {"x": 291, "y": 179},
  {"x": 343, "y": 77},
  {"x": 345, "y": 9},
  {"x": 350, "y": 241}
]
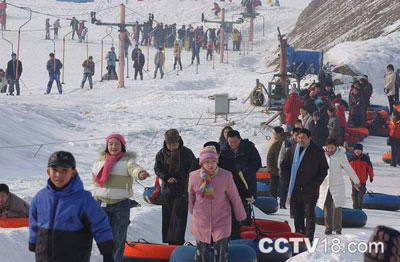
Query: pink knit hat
[
  {"x": 209, "y": 152},
  {"x": 117, "y": 136}
]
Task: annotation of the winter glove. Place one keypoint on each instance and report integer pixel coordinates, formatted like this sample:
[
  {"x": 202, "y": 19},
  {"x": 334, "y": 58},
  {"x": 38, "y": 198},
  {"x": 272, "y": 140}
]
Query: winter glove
[
  {"x": 371, "y": 179},
  {"x": 250, "y": 200},
  {"x": 108, "y": 258}
]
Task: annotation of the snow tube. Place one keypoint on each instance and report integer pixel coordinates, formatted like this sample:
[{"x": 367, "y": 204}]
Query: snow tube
[
  {"x": 262, "y": 175},
  {"x": 263, "y": 189},
  {"x": 359, "y": 132},
  {"x": 387, "y": 157},
  {"x": 287, "y": 235},
  {"x": 350, "y": 217},
  {"x": 268, "y": 205},
  {"x": 14, "y": 222},
  {"x": 149, "y": 252},
  {"x": 236, "y": 253},
  {"x": 272, "y": 256},
  {"x": 267, "y": 226},
  {"x": 378, "y": 108},
  {"x": 381, "y": 201}
]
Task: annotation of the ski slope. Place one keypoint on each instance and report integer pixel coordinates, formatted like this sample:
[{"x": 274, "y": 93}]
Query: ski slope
[{"x": 35, "y": 125}]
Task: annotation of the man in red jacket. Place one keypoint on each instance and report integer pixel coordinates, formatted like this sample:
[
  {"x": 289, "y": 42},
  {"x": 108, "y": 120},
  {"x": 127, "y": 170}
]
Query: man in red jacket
[
  {"x": 292, "y": 109},
  {"x": 363, "y": 168},
  {"x": 394, "y": 139}
]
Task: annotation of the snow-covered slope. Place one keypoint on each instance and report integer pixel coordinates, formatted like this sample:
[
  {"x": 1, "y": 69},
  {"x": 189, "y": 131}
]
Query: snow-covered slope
[{"x": 79, "y": 120}]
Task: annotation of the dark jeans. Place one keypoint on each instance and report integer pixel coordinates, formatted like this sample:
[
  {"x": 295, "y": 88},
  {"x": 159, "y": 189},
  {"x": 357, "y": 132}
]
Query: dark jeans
[
  {"x": 54, "y": 77},
  {"x": 304, "y": 208},
  {"x": 357, "y": 120},
  {"x": 283, "y": 191},
  {"x": 395, "y": 145},
  {"x": 87, "y": 76},
  {"x": 11, "y": 87},
  {"x": 177, "y": 60},
  {"x": 118, "y": 216},
  {"x": 196, "y": 54},
  {"x": 140, "y": 71},
  {"x": 332, "y": 215},
  {"x": 111, "y": 71},
  {"x": 209, "y": 54},
  {"x": 161, "y": 71},
  {"x": 391, "y": 103},
  {"x": 216, "y": 252},
  {"x": 358, "y": 196},
  {"x": 174, "y": 218},
  {"x": 274, "y": 186}
]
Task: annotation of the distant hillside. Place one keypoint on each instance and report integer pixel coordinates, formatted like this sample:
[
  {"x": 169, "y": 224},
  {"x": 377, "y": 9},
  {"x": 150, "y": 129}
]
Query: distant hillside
[{"x": 326, "y": 23}]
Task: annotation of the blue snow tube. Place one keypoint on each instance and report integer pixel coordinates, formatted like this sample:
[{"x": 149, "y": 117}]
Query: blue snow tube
[
  {"x": 381, "y": 201},
  {"x": 236, "y": 253},
  {"x": 268, "y": 205},
  {"x": 263, "y": 189},
  {"x": 350, "y": 217},
  {"x": 272, "y": 256},
  {"x": 150, "y": 196}
]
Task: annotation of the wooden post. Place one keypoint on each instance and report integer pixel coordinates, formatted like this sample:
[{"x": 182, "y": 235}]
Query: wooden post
[
  {"x": 251, "y": 31},
  {"x": 222, "y": 37},
  {"x": 122, "y": 35}
]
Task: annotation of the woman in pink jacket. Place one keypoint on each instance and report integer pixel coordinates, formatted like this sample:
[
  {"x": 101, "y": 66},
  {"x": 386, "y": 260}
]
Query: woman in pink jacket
[{"x": 212, "y": 195}]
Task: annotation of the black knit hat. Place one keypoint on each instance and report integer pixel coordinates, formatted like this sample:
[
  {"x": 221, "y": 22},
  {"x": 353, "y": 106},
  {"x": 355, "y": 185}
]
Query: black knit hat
[
  {"x": 62, "y": 159},
  {"x": 359, "y": 147},
  {"x": 172, "y": 136},
  {"x": 4, "y": 188}
]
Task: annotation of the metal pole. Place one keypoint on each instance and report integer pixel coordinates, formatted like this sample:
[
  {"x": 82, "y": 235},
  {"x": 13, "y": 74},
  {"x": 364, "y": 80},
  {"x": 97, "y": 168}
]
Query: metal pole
[
  {"x": 221, "y": 35},
  {"x": 8, "y": 41},
  {"x": 127, "y": 66},
  {"x": 101, "y": 61},
  {"x": 19, "y": 40},
  {"x": 251, "y": 31},
  {"x": 148, "y": 55},
  {"x": 263, "y": 25},
  {"x": 87, "y": 46},
  {"x": 122, "y": 35},
  {"x": 63, "y": 57}
]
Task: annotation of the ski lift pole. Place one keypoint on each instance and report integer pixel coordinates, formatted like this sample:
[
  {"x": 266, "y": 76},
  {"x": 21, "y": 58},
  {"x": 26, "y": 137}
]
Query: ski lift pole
[
  {"x": 87, "y": 46},
  {"x": 63, "y": 57},
  {"x": 108, "y": 34},
  {"x": 263, "y": 18},
  {"x": 19, "y": 39},
  {"x": 8, "y": 41},
  {"x": 148, "y": 55}
]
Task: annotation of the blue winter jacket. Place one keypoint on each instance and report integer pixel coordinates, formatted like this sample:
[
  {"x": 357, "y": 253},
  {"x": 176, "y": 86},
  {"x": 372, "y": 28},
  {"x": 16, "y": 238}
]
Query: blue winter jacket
[
  {"x": 54, "y": 66},
  {"x": 62, "y": 224}
]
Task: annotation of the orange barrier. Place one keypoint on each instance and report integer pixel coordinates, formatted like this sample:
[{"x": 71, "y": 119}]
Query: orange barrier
[
  {"x": 138, "y": 251},
  {"x": 266, "y": 225},
  {"x": 14, "y": 222},
  {"x": 287, "y": 235},
  {"x": 387, "y": 157}
]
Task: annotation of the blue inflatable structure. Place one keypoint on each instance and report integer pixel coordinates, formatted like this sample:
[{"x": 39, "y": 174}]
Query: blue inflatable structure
[
  {"x": 263, "y": 189},
  {"x": 236, "y": 253},
  {"x": 268, "y": 205},
  {"x": 381, "y": 202},
  {"x": 273, "y": 256},
  {"x": 302, "y": 62},
  {"x": 350, "y": 217}
]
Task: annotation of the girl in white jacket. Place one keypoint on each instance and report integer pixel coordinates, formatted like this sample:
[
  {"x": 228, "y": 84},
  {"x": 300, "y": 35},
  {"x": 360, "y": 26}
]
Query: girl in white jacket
[{"x": 332, "y": 195}]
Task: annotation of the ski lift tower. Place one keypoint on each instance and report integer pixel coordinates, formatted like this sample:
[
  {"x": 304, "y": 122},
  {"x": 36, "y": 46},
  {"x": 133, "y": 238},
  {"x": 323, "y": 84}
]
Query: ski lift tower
[
  {"x": 122, "y": 35},
  {"x": 225, "y": 27}
]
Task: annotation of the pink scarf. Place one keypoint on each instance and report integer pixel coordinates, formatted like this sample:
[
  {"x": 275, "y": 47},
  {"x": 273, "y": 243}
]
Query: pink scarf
[{"x": 105, "y": 171}]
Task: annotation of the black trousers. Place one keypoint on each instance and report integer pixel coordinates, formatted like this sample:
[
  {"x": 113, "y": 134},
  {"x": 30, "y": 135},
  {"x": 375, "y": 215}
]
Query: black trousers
[
  {"x": 391, "y": 103},
  {"x": 139, "y": 71},
  {"x": 283, "y": 191},
  {"x": 357, "y": 120},
  {"x": 177, "y": 60},
  {"x": 358, "y": 196},
  {"x": 304, "y": 208},
  {"x": 174, "y": 218},
  {"x": 395, "y": 145},
  {"x": 274, "y": 186}
]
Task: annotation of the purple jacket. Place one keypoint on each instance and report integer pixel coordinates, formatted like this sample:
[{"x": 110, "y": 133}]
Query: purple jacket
[{"x": 211, "y": 219}]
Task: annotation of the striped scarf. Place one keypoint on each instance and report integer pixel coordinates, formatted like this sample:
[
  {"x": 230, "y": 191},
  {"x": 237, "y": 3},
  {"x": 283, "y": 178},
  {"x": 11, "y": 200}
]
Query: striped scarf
[{"x": 206, "y": 188}]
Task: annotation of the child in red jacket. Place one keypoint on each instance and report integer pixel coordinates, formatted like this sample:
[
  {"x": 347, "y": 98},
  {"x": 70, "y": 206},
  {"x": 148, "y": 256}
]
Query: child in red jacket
[{"x": 363, "y": 168}]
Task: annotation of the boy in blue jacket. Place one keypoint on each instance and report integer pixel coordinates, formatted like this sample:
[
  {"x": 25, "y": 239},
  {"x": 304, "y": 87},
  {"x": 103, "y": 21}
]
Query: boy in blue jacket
[{"x": 64, "y": 218}]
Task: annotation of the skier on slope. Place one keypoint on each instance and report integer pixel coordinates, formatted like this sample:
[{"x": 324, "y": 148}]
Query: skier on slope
[{"x": 53, "y": 67}]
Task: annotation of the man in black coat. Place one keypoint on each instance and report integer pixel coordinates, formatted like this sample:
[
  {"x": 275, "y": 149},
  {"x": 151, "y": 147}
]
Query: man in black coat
[
  {"x": 246, "y": 157},
  {"x": 307, "y": 168},
  {"x": 173, "y": 164},
  {"x": 138, "y": 63},
  {"x": 13, "y": 73},
  {"x": 319, "y": 130}
]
